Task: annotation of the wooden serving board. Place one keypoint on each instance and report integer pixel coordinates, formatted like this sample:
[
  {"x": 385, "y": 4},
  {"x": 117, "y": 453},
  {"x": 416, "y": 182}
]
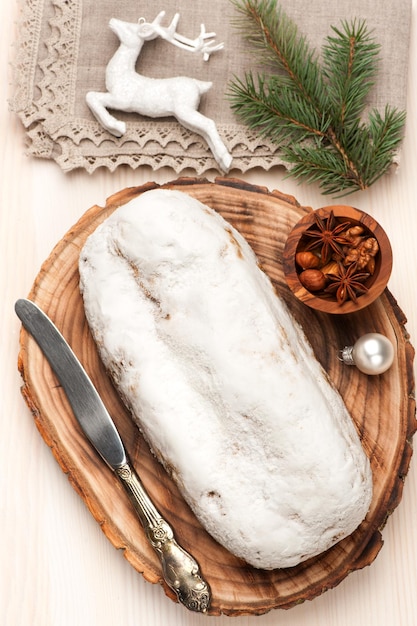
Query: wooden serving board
[{"x": 382, "y": 408}]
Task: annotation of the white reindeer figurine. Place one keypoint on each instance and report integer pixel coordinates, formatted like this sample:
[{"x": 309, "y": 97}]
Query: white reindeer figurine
[{"x": 179, "y": 96}]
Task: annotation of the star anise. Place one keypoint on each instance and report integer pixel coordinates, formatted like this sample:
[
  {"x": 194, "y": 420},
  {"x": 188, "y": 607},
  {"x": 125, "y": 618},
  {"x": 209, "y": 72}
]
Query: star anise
[
  {"x": 327, "y": 235},
  {"x": 348, "y": 284}
]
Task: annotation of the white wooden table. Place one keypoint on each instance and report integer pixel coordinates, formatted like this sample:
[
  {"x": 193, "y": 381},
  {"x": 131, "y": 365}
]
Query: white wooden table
[{"x": 56, "y": 566}]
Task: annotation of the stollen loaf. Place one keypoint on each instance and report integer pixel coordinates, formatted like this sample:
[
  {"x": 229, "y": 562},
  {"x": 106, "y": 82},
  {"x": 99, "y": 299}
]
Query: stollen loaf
[{"x": 222, "y": 381}]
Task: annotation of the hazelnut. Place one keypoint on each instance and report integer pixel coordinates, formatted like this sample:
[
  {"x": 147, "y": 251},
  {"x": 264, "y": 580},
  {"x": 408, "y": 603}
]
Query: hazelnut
[
  {"x": 313, "y": 279},
  {"x": 307, "y": 260}
]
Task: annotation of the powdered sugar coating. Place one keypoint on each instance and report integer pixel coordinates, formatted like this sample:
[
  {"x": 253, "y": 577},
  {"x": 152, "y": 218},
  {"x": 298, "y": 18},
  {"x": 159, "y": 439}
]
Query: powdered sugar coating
[{"x": 222, "y": 381}]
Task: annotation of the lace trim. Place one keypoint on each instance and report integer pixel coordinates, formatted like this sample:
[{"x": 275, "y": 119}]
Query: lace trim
[{"x": 25, "y": 62}]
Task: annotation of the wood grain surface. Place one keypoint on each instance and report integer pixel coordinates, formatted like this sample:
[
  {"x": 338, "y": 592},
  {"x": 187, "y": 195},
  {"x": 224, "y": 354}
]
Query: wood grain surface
[{"x": 382, "y": 408}]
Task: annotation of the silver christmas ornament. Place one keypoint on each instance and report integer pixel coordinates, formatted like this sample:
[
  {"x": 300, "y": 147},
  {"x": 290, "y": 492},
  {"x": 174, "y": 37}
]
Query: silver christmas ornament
[{"x": 372, "y": 354}]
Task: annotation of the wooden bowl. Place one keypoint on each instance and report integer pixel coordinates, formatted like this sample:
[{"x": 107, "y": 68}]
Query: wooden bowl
[{"x": 319, "y": 300}]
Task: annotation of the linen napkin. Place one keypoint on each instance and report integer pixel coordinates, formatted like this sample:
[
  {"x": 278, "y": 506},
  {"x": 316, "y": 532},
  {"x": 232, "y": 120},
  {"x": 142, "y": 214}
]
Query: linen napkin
[{"x": 64, "y": 47}]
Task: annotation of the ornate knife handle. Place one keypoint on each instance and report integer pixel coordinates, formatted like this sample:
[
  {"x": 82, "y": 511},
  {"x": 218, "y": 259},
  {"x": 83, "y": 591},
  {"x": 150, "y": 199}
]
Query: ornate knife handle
[{"x": 180, "y": 570}]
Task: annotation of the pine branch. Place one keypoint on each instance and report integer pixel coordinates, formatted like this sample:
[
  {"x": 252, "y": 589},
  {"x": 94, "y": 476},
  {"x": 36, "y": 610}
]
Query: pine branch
[
  {"x": 349, "y": 65},
  {"x": 386, "y": 134},
  {"x": 276, "y": 110},
  {"x": 280, "y": 46},
  {"x": 315, "y": 111},
  {"x": 311, "y": 163}
]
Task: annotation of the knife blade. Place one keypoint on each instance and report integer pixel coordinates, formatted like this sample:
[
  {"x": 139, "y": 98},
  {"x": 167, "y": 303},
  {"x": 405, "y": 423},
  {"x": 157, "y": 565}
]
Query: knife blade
[{"x": 180, "y": 570}]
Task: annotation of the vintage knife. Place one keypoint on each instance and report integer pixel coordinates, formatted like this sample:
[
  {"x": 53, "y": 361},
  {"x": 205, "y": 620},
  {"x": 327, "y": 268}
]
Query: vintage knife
[{"x": 180, "y": 570}]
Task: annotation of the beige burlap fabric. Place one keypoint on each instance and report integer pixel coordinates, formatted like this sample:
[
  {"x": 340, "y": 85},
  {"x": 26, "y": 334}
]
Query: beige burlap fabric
[{"x": 64, "y": 48}]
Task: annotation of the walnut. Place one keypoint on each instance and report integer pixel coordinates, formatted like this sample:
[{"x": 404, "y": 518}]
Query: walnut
[
  {"x": 363, "y": 254},
  {"x": 354, "y": 234},
  {"x": 331, "y": 268}
]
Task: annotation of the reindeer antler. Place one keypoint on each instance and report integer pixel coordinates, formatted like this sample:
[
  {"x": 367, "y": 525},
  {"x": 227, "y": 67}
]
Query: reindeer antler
[{"x": 199, "y": 44}]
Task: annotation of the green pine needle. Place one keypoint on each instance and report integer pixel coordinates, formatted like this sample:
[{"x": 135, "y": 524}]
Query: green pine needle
[{"x": 315, "y": 111}]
